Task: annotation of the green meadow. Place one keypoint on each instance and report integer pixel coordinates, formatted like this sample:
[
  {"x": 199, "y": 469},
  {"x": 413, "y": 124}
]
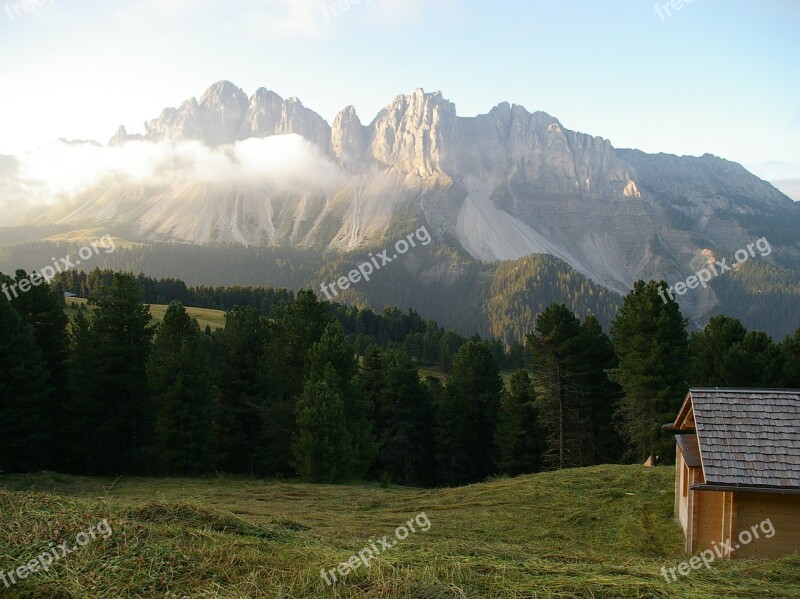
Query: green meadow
[{"x": 600, "y": 532}]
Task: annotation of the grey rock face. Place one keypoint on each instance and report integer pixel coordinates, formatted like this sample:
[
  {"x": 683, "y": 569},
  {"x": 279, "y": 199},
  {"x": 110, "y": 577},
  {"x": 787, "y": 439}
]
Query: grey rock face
[
  {"x": 224, "y": 115},
  {"x": 503, "y": 185},
  {"x": 413, "y": 133},
  {"x": 350, "y": 139},
  {"x": 214, "y": 120}
]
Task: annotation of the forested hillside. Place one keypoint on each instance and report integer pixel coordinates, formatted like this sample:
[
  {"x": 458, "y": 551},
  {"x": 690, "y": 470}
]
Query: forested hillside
[{"x": 295, "y": 386}]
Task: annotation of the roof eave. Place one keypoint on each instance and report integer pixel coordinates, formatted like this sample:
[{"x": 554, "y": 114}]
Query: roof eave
[{"x": 746, "y": 489}]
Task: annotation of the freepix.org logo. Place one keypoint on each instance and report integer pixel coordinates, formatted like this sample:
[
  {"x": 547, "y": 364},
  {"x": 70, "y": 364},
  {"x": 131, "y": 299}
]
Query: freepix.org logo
[
  {"x": 14, "y": 10},
  {"x": 366, "y": 269},
  {"x": 48, "y": 273},
  {"x": 716, "y": 268}
]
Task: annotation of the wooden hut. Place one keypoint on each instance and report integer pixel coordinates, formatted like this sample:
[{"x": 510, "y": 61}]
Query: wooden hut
[{"x": 738, "y": 465}]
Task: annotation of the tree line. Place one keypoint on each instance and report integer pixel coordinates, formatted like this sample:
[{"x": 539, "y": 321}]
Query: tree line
[
  {"x": 290, "y": 394},
  {"x": 423, "y": 339}
]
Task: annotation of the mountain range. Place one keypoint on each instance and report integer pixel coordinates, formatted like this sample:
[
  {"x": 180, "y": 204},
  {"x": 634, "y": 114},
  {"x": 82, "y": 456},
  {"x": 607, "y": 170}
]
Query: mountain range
[{"x": 491, "y": 189}]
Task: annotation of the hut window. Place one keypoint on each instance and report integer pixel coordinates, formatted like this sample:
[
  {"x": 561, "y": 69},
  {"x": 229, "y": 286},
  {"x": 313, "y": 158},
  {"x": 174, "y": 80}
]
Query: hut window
[{"x": 685, "y": 481}]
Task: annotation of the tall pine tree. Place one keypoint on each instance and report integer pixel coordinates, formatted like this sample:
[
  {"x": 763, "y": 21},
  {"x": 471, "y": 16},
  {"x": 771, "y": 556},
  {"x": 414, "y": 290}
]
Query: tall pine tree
[
  {"x": 239, "y": 390},
  {"x": 109, "y": 380},
  {"x": 652, "y": 346},
  {"x": 709, "y": 351},
  {"x": 600, "y": 440},
  {"x": 519, "y": 439},
  {"x": 25, "y": 395},
  {"x": 335, "y": 352},
  {"x": 466, "y": 416},
  {"x": 283, "y": 368},
  {"x": 179, "y": 373},
  {"x": 323, "y": 448},
  {"x": 402, "y": 413},
  {"x": 42, "y": 307},
  {"x": 557, "y": 364}
]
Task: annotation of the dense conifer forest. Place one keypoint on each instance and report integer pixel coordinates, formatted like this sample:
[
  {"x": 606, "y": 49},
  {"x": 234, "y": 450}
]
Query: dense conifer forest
[{"x": 296, "y": 386}]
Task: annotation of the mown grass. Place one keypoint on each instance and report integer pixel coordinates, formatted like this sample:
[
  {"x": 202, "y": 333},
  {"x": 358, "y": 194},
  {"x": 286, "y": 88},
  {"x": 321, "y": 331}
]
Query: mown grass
[
  {"x": 597, "y": 532},
  {"x": 431, "y": 372},
  {"x": 213, "y": 318}
]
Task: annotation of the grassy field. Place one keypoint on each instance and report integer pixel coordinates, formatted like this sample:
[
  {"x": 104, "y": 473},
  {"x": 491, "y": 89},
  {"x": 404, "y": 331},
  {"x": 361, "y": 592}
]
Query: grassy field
[
  {"x": 213, "y": 318},
  {"x": 601, "y": 532},
  {"x": 442, "y": 376},
  {"x": 430, "y": 372}
]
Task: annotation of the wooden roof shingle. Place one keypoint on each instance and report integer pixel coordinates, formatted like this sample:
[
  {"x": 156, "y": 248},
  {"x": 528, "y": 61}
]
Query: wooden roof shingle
[{"x": 748, "y": 437}]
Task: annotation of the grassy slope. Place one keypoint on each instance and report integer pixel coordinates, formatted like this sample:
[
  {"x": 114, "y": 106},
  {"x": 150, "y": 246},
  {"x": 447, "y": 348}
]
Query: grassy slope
[
  {"x": 213, "y": 318},
  {"x": 598, "y": 532}
]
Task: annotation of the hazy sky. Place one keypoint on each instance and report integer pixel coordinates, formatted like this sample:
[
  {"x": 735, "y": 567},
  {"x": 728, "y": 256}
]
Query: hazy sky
[{"x": 717, "y": 76}]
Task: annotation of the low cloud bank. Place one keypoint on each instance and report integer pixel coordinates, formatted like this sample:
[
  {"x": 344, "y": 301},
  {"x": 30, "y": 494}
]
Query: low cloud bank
[{"x": 63, "y": 170}]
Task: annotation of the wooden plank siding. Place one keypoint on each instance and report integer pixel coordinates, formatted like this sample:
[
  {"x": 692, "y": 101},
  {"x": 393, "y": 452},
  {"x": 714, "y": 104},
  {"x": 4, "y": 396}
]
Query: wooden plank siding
[
  {"x": 710, "y": 520},
  {"x": 783, "y": 511}
]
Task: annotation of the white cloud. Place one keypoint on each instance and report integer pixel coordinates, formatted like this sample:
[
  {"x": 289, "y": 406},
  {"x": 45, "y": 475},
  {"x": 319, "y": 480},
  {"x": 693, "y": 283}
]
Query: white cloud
[{"x": 61, "y": 171}]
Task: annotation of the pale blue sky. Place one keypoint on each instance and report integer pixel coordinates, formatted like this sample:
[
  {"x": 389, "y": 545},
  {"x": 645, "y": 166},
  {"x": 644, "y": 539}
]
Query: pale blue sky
[{"x": 718, "y": 76}]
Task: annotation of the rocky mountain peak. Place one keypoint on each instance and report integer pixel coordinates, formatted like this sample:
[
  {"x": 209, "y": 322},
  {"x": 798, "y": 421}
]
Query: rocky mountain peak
[
  {"x": 412, "y": 133},
  {"x": 349, "y": 139},
  {"x": 223, "y": 94},
  {"x": 119, "y": 138}
]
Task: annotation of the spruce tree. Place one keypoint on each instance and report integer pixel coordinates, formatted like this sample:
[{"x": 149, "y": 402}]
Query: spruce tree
[
  {"x": 120, "y": 336},
  {"x": 558, "y": 363},
  {"x": 335, "y": 352},
  {"x": 467, "y": 416},
  {"x": 239, "y": 391},
  {"x": 324, "y": 451},
  {"x": 652, "y": 347},
  {"x": 42, "y": 307},
  {"x": 283, "y": 368},
  {"x": 402, "y": 415},
  {"x": 25, "y": 395},
  {"x": 179, "y": 374},
  {"x": 755, "y": 361},
  {"x": 84, "y": 406},
  {"x": 519, "y": 439},
  {"x": 600, "y": 397},
  {"x": 709, "y": 351}
]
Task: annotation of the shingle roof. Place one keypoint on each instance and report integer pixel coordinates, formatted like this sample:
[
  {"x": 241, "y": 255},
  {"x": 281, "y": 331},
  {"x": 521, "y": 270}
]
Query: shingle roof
[
  {"x": 748, "y": 436},
  {"x": 689, "y": 450}
]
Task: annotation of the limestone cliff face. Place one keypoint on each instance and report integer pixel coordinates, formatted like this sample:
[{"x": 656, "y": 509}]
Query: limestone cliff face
[
  {"x": 509, "y": 143},
  {"x": 215, "y": 119},
  {"x": 350, "y": 139},
  {"x": 419, "y": 134},
  {"x": 296, "y": 118},
  {"x": 503, "y": 184},
  {"x": 264, "y": 113},
  {"x": 705, "y": 180},
  {"x": 224, "y": 115},
  {"x": 413, "y": 134}
]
